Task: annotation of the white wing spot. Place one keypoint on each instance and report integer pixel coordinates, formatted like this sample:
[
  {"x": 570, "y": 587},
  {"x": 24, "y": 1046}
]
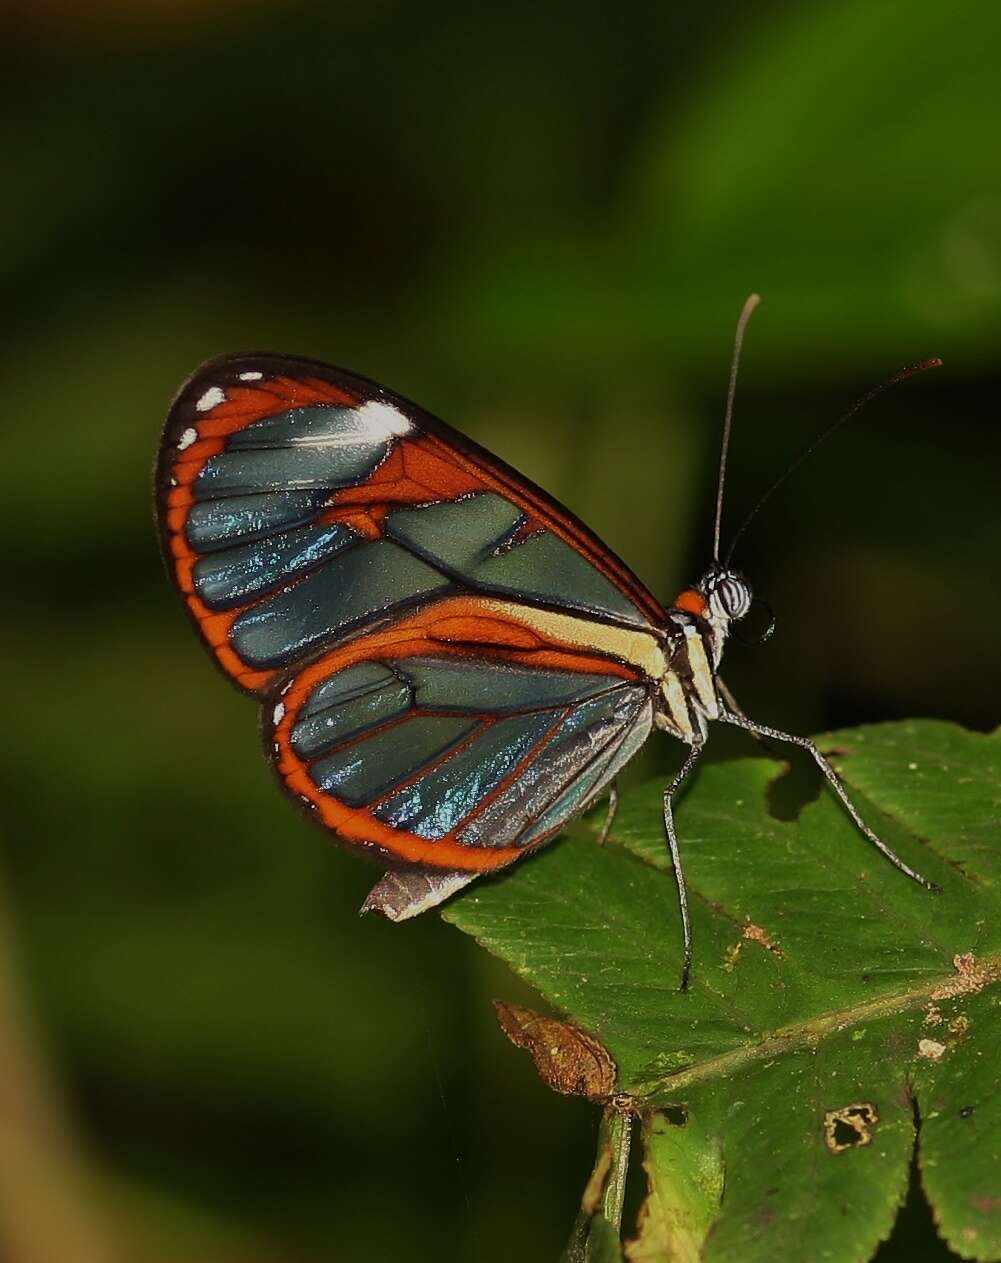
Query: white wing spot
[
  {"x": 382, "y": 420},
  {"x": 187, "y": 438},
  {"x": 214, "y": 395},
  {"x": 251, "y": 377},
  {"x": 278, "y": 713}
]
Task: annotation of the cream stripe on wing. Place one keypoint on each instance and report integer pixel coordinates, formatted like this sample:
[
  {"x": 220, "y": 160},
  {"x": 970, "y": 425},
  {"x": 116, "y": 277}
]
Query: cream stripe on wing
[{"x": 637, "y": 648}]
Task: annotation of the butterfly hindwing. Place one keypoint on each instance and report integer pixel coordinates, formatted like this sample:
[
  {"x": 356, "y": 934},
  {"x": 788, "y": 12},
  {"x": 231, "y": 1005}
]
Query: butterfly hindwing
[{"x": 434, "y": 753}]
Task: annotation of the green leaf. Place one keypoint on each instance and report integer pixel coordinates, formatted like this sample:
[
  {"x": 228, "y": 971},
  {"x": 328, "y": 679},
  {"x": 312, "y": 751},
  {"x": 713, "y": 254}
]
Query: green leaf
[
  {"x": 836, "y": 1009},
  {"x": 685, "y": 1173}
]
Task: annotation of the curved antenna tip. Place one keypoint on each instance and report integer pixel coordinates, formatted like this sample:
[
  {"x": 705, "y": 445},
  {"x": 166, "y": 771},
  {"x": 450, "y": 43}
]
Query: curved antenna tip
[
  {"x": 911, "y": 370},
  {"x": 750, "y": 302}
]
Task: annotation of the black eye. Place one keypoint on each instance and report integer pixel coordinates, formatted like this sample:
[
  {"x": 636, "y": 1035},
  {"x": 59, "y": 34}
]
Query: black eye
[
  {"x": 733, "y": 596},
  {"x": 729, "y": 594}
]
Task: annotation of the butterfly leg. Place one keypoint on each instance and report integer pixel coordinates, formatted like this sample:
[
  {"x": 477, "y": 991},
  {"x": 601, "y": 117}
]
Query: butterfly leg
[
  {"x": 613, "y": 807},
  {"x": 679, "y": 874},
  {"x": 761, "y": 730}
]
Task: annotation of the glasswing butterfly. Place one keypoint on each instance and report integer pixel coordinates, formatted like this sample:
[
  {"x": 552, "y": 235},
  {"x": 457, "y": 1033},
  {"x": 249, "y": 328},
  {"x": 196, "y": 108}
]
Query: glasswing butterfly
[{"x": 451, "y": 665}]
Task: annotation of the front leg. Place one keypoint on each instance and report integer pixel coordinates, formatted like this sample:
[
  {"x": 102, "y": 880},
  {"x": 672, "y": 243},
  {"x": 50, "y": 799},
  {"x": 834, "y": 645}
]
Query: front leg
[{"x": 762, "y": 730}]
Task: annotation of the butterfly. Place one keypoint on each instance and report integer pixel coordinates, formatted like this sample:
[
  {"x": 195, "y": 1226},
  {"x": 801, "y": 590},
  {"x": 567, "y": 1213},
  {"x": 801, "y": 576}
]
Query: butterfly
[{"x": 451, "y": 665}]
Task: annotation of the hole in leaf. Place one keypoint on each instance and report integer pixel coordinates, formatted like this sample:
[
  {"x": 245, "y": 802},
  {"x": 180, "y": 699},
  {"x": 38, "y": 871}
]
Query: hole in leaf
[
  {"x": 843, "y": 1135},
  {"x": 966, "y": 1111},
  {"x": 676, "y": 1115},
  {"x": 850, "y": 1126}
]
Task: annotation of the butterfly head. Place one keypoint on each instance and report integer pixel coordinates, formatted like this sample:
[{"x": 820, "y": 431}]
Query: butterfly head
[{"x": 721, "y": 596}]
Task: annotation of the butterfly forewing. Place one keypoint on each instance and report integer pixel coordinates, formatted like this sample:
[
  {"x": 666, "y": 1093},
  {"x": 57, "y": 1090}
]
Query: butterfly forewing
[{"x": 299, "y": 504}]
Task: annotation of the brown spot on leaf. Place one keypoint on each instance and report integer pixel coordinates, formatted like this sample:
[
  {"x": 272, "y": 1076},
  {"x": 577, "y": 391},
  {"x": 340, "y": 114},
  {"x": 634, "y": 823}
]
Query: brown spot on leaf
[
  {"x": 751, "y": 933},
  {"x": 850, "y": 1126},
  {"x": 931, "y": 1049},
  {"x": 755, "y": 934},
  {"x": 568, "y": 1059},
  {"x": 987, "y": 1203},
  {"x": 969, "y": 978},
  {"x": 933, "y": 1016},
  {"x": 960, "y": 1026}
]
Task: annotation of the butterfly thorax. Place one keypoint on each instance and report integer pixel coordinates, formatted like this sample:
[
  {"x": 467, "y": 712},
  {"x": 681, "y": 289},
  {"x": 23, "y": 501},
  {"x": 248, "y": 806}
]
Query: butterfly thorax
[{"x": 696, "y": 628}]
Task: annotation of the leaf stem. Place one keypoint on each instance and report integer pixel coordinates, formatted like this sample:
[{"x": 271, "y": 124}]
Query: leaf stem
[{"x": 615, "y": 1135}]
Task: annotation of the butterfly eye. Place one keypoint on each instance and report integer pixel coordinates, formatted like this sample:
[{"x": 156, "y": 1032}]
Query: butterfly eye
[{"x": 730, "y": 596}]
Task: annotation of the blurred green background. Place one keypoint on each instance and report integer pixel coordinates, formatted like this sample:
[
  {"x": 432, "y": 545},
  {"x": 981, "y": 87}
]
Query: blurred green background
[{"x": 540, "y": 222}]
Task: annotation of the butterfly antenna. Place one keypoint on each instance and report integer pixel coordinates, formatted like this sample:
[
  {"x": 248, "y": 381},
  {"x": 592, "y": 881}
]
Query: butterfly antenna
[
  {"x": 738, "y": 342},
  {"x": 909, "y": 370}
]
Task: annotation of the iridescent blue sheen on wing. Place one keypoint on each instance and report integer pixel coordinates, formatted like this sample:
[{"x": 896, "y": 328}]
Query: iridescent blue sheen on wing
[
  {"x": 583, "y": 756},
  {"x": 351, "y": 589},
  {"x": 235, "y": 576},
  {"x": 233, "y": 520},
  {"x": 442, "y": 797},
  {"x": 484, "y": 750}
]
